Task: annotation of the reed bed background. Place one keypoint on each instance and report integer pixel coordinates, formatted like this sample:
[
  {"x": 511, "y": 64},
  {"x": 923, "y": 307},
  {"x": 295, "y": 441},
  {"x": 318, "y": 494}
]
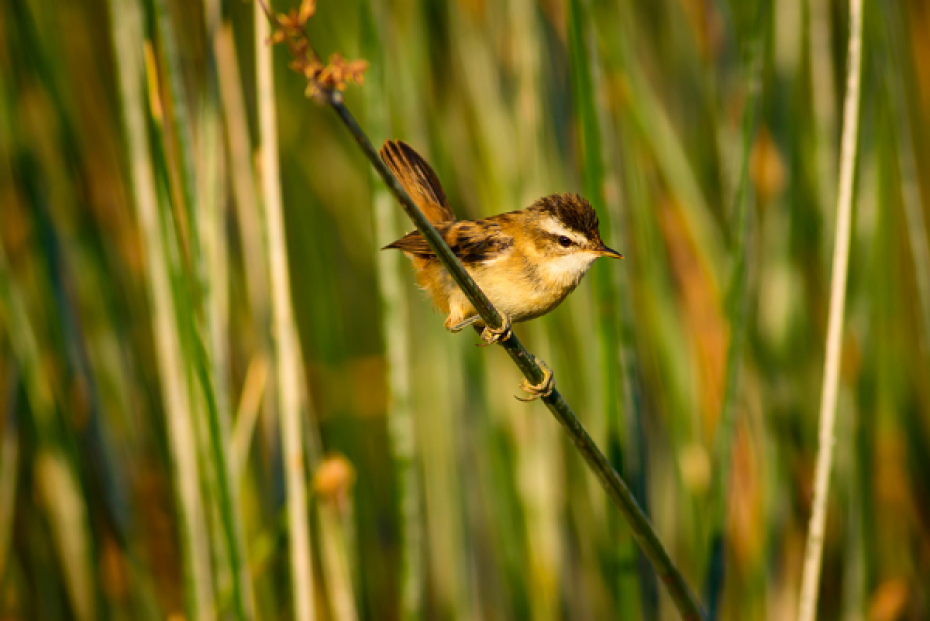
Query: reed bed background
[{"x": 220, "y": 400}]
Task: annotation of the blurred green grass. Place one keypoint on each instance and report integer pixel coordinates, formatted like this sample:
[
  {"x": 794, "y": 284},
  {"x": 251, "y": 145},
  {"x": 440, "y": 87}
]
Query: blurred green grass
[{"x": 505, "y": 522}]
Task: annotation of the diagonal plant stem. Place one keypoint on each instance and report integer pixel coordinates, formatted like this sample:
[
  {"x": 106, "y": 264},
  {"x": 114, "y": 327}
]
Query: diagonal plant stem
[
  {"x": 614, "y": 486},
  {"x": 813, "y": 555}
]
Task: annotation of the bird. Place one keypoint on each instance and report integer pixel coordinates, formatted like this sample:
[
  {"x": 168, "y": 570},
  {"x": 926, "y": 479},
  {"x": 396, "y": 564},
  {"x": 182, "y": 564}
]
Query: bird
[{"x": 526, "y": 261}]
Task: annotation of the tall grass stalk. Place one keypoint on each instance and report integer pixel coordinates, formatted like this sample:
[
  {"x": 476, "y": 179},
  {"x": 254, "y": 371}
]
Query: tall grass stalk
[
  {"x": 656, "y": 129},
  {"x": 810, "y": 578},
  {"x": 249, "y": 219},
  {"x": 242, "y": 180},
  {"x": 824, "y": 97},
  {"x": 193, "y": 296},
  {"x": 539, "y": 467},
  {"x": 738, "y": 300},
  {"x": 250, "y": 401},
  {"x": 184, "y": 175},
  {"x": 56, "y": 480},
  {"x": 394, "y": 322},
  {"x": 907, "y": 158},
  {"x": 212, "y": 198},
  {"x": 215, "y": 327},
  {"x": 617, "y": 370},
  {"x": 9, "y": 468},
  {"x": 443, "y": 515},
  {"x": 336, "y": 560},
  {"x": 127, "y": 35},
  {"x": 591, "y": 163},
  {"x": 59, "y": 490},
  {"x": 284, "y": 330},
  {"x": 217, "y": 316}
]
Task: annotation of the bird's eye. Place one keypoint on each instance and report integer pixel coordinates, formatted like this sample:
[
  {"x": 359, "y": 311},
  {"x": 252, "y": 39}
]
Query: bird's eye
[{"x": 564, "y": 241}]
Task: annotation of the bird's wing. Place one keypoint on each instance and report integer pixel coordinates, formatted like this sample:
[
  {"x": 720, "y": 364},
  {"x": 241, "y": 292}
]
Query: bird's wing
[
  {"x": 412, "y": 243},
  {"x": 471, "y": 241},
  {"x": 418, "y": 179}
]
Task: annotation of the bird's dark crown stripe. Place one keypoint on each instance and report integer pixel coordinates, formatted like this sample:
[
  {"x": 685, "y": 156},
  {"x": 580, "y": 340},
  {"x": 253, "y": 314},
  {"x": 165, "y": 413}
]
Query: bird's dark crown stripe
[{"x": 573, "y": 211}]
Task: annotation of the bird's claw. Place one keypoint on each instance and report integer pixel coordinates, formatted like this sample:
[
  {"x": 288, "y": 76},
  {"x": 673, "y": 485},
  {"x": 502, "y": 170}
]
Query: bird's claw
[
  {"x": 543, "y": 388},
  {"x": 496, "y": 335}
]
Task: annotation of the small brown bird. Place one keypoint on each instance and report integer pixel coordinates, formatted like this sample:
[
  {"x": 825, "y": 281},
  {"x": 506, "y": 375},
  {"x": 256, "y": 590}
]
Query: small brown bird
[{"x": 526, "y": 262}]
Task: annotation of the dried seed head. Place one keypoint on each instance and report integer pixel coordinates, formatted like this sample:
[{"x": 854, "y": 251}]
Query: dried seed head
[
  {"x": 307, "y": 9},
  {"x": 322, "y": 80},
  {"x": 276, "y": 37},
  {"x": 334, "y": 478}
]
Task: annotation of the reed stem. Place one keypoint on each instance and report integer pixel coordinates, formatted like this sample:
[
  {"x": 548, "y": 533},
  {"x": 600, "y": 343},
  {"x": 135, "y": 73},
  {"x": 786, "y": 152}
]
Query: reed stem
[
  {"x": 739, "y": 299},
  {"x": 813, "y": 555},
  {"x": 127, "y": 34},
  {"x": 401, "y": 422},
  {"x": 284, "y": 330}
]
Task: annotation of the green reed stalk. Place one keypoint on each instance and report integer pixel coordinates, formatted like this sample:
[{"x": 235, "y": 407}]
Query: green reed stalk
[
  {"x": 401, "y": 424},
  {"x": 195, "y": 285},
  {"x": 335, "y": 559},
  {"x": 215, "y": 324},
  {"x": 249, "y": 216},
  {"x": 592, "y": 175},
  {"x": 56, "y": 481},
  {"x": 212, "y": 232},
  {"x": 287, "y": 349},
  {"x": 217, "y": 314},
  {"x": 242, "y": 180},
  {"x": 738, "y": 301},
  {"x": 813, "y": 555},
  {"x": 180, "y": 125},
  {"x": 127, "y": 39},
  {"x": 618, "y": 374},
  {"x": 538, "y": 464},
  {"x": 907, "y": 158},
  {"x": 656, "y": 129},
  {"x": 9, "y": 468}
]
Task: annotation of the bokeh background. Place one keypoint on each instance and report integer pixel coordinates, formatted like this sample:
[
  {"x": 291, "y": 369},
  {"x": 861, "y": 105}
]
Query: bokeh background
[{"x": 141, "y": 374}]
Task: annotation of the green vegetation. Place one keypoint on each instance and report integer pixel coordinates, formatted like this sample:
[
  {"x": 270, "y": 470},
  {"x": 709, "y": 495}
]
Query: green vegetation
[{"x": 219, "y": 399}]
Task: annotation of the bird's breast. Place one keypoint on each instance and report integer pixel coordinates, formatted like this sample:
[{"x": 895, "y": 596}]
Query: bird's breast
[{"x": 521, "y": 289}]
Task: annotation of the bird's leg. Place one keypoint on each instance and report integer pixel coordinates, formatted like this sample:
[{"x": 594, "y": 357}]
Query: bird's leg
[
  {"x": 458, "y": 327},
  {"x": 543, "y": 388},
  {"x": 489, "y": 335},
  {"x": 495, "y": 335}
]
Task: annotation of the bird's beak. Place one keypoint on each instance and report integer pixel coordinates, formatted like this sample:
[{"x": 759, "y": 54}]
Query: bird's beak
[{"x": 604, "y": 251}]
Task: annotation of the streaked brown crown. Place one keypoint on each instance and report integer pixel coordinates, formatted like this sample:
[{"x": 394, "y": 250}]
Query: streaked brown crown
[{"x": 573, "y": 211}]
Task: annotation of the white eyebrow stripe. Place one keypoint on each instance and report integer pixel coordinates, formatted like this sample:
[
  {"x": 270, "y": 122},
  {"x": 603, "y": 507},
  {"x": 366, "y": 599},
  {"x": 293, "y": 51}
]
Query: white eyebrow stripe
[{"x": 553, "y": 226}]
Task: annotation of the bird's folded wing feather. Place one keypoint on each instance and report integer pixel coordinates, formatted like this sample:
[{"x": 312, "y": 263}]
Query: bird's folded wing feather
[{"x": 471, "y": 242}]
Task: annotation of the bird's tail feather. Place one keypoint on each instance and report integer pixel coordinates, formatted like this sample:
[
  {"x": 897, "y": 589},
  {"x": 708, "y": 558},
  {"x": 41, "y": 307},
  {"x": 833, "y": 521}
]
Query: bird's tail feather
[{"x": 418, "y": 179}]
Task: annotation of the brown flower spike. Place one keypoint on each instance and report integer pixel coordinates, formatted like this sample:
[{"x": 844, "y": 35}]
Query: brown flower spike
[{"x": 321, "y": 79}]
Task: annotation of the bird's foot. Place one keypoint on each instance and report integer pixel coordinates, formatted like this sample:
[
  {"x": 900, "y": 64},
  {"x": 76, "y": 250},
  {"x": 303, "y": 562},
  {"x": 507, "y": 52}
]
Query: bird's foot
[
  {"x": 495, "y": 335},
  {"x": 543, "y": 388}
]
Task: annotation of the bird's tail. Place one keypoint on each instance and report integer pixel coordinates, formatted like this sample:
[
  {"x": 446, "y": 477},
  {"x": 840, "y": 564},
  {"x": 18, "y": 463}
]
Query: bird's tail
[{"x": 418, "y": 179}]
